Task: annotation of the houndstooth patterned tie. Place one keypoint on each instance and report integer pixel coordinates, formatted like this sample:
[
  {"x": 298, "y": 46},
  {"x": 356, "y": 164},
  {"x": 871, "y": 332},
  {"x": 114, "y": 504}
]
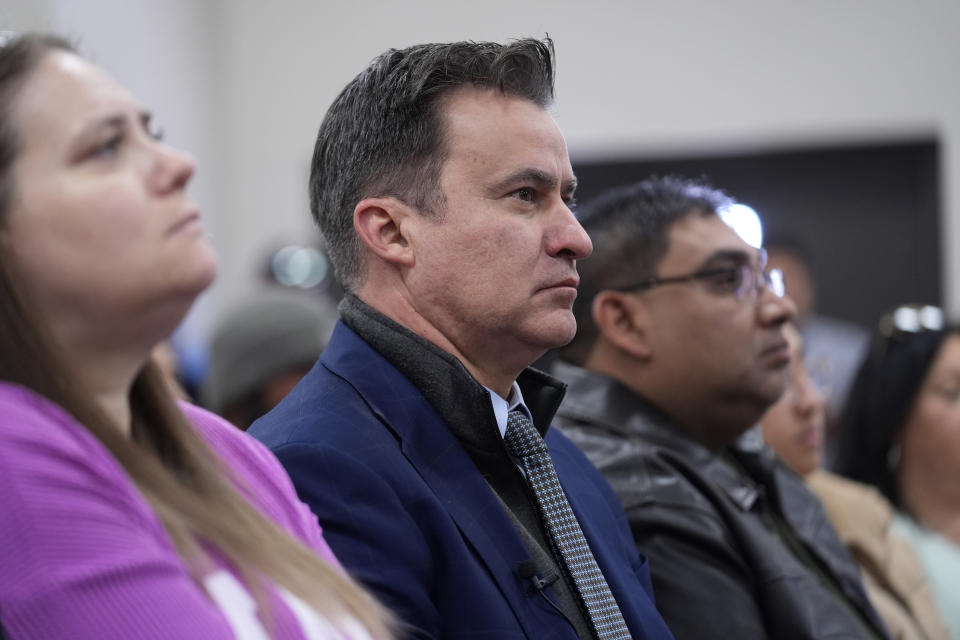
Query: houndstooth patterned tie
[{"x": 523, "y": 440}]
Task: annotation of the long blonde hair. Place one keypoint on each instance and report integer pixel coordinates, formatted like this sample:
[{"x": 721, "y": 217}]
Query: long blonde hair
[{"x": 167, "y": 460}]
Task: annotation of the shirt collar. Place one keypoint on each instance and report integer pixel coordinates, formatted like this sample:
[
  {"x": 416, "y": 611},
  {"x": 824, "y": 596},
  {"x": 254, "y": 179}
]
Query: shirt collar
[{"x": 503, "y": 407}]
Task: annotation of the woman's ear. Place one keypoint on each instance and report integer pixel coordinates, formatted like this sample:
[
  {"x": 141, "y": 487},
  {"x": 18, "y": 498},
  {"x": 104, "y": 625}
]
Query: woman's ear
[
  {"x": 380, "y": 223},
  {"x": 622, "y": 321}
]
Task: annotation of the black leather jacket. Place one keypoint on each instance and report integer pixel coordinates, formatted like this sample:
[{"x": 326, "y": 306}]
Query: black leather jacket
[{"x": 738, "y": 547}]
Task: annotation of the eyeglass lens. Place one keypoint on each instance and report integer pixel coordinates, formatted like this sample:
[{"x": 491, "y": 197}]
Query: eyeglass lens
[{"x": 753, "y": 280}]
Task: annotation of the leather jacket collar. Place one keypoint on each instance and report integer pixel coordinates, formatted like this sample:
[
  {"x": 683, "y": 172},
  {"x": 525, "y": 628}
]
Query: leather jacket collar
[{"x": 602, "y": 401}]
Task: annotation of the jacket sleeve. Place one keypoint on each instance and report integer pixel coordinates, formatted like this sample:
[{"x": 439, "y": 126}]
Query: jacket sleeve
[
  {"x": 702, "y": 588},
  {"x": 370, "y": 529}
]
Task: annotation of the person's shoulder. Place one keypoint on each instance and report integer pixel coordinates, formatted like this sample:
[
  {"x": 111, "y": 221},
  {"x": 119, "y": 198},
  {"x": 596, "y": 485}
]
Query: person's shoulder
[
  {"x": 638, "y": 468},
  {"x": 222, "y": 436},
  {"x": 32, "y": 426},
  {"x": 580, "y": 478},
  {"x": 566, "y": 454},
  {"x": 660, "y": 490},
  {"x": 848, "y": 492},
  {"x": 243, "y": 454},
  {"x": 256, "y": 472},
  {"x": 54, "y": 469},
  {"x": 19, "y": 402},
  {"x": 323, "y": 408},
  {"x": 855, "y": 509}
]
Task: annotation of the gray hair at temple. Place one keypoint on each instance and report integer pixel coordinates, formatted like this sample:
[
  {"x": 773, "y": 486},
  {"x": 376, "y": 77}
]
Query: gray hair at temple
[
  {"x": 384, "y": 134},
  {"x": 630, "y": 229}
]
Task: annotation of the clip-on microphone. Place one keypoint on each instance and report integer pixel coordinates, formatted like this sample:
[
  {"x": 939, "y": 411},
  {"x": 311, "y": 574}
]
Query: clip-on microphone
[{"x": 527, "y": 570}]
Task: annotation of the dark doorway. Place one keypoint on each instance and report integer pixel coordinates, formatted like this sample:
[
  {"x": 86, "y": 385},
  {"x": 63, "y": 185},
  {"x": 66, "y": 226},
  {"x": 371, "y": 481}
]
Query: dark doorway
[{"x": 868, "y": 215}]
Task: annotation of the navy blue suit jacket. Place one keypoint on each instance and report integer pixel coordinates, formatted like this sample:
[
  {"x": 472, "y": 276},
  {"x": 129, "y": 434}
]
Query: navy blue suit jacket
[{"x": 407, "y": 513}]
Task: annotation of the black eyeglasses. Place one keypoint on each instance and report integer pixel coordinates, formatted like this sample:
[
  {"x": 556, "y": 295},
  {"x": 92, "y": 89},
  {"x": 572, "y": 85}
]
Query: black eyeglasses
[{"x": 741, "y": 280}]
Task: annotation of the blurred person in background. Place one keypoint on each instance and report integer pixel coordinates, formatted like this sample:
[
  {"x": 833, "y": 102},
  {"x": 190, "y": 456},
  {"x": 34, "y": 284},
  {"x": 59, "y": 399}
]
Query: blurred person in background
[
  {"x": 834, "y": 347},
  {"x": 125, "y": 514},
  {"x": 892, "y": 573},
  {"x": 795, "y": 424},
  {"x": 680, "y": 350},
  {"x": 901, "y": 434},
  {"x": 261, "y": 348}
]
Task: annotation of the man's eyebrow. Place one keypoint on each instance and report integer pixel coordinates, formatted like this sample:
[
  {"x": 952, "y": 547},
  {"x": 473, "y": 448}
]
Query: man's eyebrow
[
  {"x": 532, "y": 176},
  {"x": 527, "y": 175},
  {"x": 738, "y": 256}
]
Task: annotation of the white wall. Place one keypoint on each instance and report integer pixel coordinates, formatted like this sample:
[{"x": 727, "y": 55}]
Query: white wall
[
  {"x": 18, "y": 15},
  {"x": 244, "y": 84},
  {"x": 634, "y": 78}
]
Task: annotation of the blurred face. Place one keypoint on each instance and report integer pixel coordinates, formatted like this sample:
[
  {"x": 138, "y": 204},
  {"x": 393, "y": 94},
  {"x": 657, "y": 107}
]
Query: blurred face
[
  {"x": 931, "y": 436},
  {"x": 496, "y": 271},
  {"x": 100, "y": 228},
  {"x": 720, "y": 350},
  {"x": 794, "y": 426}
]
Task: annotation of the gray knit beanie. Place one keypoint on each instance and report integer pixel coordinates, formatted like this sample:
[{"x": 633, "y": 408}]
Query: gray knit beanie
[{"x": 276, "y": 331}]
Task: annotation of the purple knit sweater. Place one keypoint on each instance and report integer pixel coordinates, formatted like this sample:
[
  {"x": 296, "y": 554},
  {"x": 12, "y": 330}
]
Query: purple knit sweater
[{"x": 83, "y": 555}]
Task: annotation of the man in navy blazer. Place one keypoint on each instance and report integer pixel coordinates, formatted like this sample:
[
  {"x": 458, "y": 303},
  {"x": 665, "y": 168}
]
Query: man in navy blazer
[{"x": 443, "y": 189}]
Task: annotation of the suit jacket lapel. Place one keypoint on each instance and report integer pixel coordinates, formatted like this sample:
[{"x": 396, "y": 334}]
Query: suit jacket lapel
[{"x": 438, "y": 458}]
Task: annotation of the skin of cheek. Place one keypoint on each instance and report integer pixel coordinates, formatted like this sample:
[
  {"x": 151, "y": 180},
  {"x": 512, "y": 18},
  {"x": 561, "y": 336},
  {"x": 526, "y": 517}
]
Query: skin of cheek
[{"x": 932, "y": 443}]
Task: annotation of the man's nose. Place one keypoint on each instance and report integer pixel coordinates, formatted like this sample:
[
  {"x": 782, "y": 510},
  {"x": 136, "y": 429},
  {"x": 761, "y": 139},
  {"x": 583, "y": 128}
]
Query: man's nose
[
  {"x": 773, "y": 309},
  {"x": 569, "y": 239}
]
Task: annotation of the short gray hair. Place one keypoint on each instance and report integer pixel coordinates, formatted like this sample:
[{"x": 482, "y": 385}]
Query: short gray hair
[{"x": 383, "y": 135}]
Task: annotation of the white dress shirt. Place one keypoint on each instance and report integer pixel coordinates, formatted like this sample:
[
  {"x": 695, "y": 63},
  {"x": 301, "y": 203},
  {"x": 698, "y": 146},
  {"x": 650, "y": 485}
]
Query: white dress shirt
[{"x": 501, "y": 407}]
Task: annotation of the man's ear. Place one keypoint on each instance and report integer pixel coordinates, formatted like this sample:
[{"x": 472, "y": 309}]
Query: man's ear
[
  {"x": 622, "y": 320},
  {"x": 380, "y": 223}
]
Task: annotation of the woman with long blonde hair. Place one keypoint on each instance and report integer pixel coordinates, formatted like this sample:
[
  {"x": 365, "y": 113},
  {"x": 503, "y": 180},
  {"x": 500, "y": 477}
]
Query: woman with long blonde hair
[{"x": 124, "y": 514}]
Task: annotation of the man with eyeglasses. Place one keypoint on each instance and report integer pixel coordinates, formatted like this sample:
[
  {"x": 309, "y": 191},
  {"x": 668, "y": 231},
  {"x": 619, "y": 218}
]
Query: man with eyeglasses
[{"x": 679, "y": 351}]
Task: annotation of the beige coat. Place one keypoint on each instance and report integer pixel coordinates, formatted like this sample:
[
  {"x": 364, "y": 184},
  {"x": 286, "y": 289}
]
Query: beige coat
[{"x": 892, "y": 573}]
